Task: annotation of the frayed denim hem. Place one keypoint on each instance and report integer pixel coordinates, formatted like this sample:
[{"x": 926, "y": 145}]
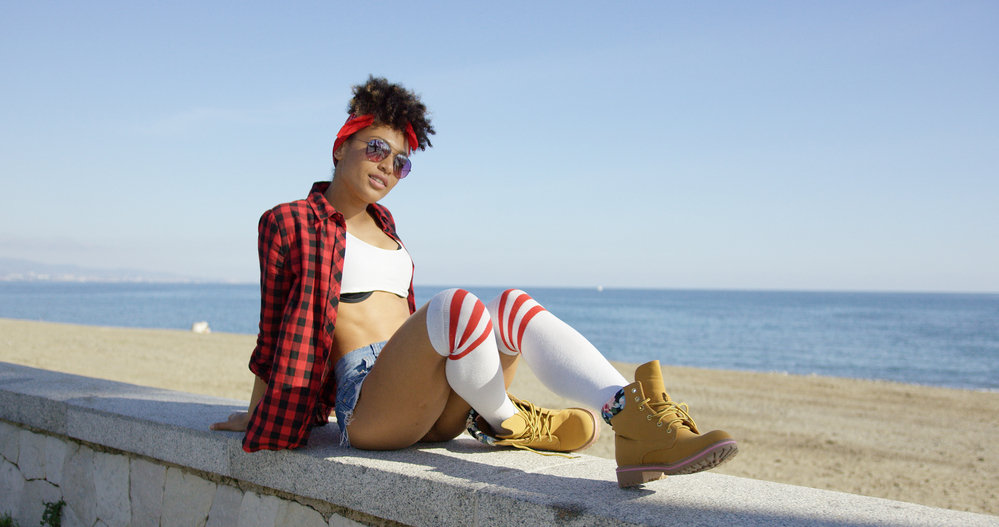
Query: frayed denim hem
[
  {"x": 344, "y": 438},
  {"x": 350, "y": 372}
]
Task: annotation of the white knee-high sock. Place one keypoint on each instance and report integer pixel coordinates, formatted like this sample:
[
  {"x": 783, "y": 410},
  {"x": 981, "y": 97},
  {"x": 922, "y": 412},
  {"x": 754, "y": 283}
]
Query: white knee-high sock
[
  {"x": 564, "y": 361},
  {"x": 461, "y": 330}
]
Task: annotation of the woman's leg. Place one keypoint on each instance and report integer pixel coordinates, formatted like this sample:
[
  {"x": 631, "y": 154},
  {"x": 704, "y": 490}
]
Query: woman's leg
[
  {"x": 453, "y": 421},
  {"x": 460, "y": 329},
  {"x": 564, "y": 361},
  {"x": 404, "y": 393},
  {"x": 439, "y": 362},
  {"x": 442, "y": 361},
  {"x": 654, "y": 435}
]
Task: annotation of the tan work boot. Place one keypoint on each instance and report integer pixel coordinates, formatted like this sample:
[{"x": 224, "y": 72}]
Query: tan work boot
[
  {"x": 535, "y": 428},
  {"x": 656, "y": 437}
]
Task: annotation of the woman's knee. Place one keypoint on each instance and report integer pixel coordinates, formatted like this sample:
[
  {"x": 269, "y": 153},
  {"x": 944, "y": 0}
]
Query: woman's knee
[
  {"x": 511, "y": 312},
  {"x": 457, "y": 321}
]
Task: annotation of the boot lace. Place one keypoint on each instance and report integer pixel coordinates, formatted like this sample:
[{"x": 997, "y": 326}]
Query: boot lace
[
  {"x": 539, "y": 426},
  {"x": 670, "y": 412}
]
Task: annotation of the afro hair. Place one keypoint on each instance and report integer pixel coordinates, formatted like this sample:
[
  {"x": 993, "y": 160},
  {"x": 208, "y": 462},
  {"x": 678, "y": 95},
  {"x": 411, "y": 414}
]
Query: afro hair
[{"x": 392, "y": 105}]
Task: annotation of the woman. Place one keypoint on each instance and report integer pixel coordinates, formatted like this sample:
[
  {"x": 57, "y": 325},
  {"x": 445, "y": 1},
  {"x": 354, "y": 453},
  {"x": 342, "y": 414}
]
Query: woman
[{"x": 336, "y": 287}]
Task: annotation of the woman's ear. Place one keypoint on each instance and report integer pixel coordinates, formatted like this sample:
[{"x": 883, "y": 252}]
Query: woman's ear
[{"x": 338, "y": 153}]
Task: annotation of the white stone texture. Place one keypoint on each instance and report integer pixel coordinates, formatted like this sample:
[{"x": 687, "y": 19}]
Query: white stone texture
[
  {"x": 111, "y": 486},
  {"x": 37, "y": 493},
  {"x": 258, "y": 511},
  {"x": 56, "y": 452},
  {"x": 294, "y": 513},
  {"x": 225, "y": 507},
  {"x": 339, "y": 521},
  {"x": 9, "y": 441},
  {"x": 31, "y": 455},
  {"x": 186, "y": 499},
  {"x": 168, "y": 426},
  {"x": 146, "y": 482},
  {"x": 78, "y": 485},
  {"x": 12, "y": 485},
  {"x": 70, "y": 519}
]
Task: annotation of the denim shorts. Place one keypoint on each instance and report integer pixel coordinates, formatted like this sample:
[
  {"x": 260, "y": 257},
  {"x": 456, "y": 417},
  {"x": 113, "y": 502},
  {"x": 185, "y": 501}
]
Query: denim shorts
[{"x": 349, "y": 373}]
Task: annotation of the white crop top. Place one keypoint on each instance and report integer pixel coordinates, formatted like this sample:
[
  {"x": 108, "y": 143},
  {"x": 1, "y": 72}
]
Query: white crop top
[{"x": 369, "y": 268}]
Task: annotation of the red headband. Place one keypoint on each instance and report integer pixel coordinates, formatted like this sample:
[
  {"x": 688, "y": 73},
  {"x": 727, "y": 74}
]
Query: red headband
[{"x": 354, "y": 124}]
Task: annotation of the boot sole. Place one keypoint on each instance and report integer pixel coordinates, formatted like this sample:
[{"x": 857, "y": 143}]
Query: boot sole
[{"x": 711, "y": 457}]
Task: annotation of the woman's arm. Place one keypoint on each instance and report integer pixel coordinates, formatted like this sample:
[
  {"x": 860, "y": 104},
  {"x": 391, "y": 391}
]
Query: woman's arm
[
  {"x": 275, "y": 289},
  {"x": 274, "y": 292},
  {"x": 299, "y": 259}
]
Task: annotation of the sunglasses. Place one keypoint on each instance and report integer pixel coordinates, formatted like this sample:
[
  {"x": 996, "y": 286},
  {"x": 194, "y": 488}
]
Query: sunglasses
[{"x": 378, "y": 150}]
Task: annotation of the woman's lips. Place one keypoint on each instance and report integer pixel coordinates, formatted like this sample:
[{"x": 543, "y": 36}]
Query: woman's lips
[{"x": 378, "y": 181}]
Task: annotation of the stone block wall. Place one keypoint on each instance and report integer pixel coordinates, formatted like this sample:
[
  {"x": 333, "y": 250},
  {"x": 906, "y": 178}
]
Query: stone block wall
[
  {"x": 105, "y": 488},
  {"x": 121, "y": 454}
]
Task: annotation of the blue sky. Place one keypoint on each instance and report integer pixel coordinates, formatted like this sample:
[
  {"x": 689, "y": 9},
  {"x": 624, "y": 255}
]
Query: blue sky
[{"x": 777, "y": 145}]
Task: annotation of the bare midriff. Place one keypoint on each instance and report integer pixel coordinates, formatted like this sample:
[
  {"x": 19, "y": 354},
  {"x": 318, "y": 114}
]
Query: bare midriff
[{"x": 375, "y": 319}]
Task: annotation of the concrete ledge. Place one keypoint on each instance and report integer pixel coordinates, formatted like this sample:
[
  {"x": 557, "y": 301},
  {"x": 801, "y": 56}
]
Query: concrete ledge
[{"x": 461, "y": 482}]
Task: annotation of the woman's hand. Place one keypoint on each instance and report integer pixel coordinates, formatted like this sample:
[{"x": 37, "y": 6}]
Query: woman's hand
[{"x": 237, "y": 423}]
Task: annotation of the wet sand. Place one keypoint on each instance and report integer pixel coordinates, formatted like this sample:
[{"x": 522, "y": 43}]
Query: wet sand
[{"x": 933, "y": 446}]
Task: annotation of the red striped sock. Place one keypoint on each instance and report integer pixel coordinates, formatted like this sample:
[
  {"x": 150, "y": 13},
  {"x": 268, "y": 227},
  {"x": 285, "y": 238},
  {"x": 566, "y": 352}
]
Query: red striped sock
[
  {"x": 564, "y": 361},
  {"x": 460, "y": 329}
]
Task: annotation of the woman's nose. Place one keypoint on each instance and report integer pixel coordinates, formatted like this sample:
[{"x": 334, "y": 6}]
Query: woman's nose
[
  {"x": 387, "y": 165},
  {"x": 390, "y": 164}
]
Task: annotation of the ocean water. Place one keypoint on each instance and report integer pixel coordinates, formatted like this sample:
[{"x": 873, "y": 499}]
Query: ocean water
[{"x": 947, "y": 340}]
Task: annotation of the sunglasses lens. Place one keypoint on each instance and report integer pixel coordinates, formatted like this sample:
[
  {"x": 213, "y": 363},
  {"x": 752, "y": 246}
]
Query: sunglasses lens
[
  {"x": 402, "y": 166},
  {"x": 378, "y": 150}
]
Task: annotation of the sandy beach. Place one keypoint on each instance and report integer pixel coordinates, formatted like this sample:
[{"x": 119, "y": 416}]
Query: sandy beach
[{"x": 932, "y": 446}]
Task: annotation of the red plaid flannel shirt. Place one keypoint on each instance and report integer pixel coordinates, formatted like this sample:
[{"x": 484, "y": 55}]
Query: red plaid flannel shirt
[{"x": 301, "y": 247}]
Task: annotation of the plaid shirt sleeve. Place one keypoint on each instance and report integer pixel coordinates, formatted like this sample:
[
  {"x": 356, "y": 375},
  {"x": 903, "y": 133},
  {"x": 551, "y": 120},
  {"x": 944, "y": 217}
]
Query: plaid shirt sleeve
[
  {"x": 301, "y": 257},
  {"x": 275, "y": 286}
]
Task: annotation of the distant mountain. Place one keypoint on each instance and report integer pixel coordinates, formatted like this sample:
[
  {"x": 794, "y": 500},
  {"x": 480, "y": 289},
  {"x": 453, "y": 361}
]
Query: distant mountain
[{"x": 17, "y": 270}]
